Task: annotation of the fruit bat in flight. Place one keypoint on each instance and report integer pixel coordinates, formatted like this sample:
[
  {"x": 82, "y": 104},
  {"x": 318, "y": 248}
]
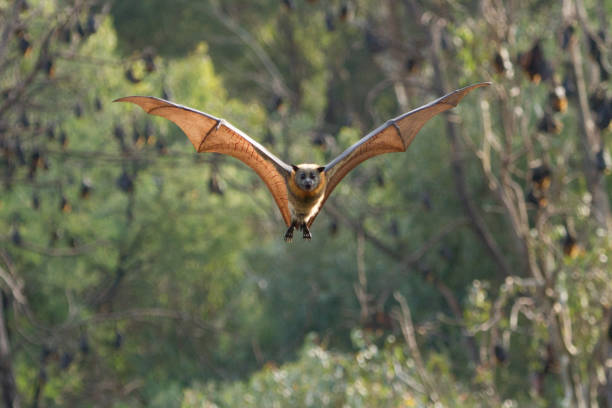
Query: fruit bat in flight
[{"x": 299, "y": 190}]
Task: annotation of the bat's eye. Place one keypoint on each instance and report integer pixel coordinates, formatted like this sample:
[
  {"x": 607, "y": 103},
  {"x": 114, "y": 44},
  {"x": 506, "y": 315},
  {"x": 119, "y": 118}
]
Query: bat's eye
[{"x": 303, "y": 176}]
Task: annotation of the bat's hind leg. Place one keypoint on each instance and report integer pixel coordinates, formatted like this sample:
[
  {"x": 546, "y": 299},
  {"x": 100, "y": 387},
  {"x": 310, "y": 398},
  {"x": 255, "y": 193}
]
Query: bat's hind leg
[
  {"x": 305, "y": 232},
  {"x": 289, "y": 233}
]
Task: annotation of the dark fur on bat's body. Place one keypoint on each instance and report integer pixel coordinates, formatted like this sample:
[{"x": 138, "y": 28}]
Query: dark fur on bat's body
[{"x": 299, "y": 191}]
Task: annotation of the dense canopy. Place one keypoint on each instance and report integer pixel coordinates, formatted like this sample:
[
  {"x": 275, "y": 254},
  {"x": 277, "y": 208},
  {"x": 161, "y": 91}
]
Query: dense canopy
[{"x": 472, "y": 270}]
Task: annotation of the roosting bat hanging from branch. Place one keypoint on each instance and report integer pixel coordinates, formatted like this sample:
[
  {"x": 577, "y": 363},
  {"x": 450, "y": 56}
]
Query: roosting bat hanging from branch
[{"x": 299, "y": 190}]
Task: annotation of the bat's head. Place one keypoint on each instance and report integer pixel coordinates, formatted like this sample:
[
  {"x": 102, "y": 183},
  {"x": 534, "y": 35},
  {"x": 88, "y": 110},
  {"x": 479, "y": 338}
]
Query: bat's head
[{"x": 309, "y": 177}]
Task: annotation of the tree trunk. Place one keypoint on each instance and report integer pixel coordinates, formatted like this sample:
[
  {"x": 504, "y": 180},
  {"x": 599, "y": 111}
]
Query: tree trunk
[{"x": 7, "y": 377}]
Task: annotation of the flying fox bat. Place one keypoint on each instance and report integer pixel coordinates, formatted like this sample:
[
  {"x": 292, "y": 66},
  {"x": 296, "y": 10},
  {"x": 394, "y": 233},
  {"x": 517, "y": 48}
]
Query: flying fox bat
[{"x": 299, "y": 190}]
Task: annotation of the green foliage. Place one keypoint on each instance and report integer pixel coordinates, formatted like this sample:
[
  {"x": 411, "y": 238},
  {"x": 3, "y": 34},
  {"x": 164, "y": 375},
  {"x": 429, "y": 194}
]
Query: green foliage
[
  {"x": 170, "y": 266},
  {"x": 375, "y": 375}
]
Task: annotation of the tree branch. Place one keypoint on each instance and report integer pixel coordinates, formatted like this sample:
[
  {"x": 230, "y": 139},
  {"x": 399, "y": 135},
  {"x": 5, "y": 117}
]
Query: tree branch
[
  {"x": 7, "y": 376},
  {"x": 478, "y": 223}
]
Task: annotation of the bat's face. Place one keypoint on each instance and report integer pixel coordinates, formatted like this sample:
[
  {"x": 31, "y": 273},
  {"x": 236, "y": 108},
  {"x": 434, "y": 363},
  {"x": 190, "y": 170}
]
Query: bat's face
[{"x": 308, "y": 176}]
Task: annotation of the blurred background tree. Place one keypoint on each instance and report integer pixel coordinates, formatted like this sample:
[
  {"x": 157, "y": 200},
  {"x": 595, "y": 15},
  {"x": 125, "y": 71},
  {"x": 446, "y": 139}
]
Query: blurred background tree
[{"x": 474, "y": 270}]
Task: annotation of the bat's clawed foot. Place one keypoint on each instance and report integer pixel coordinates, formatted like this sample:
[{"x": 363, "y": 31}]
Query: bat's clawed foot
[
  {"x": 289, "y": 233},
  {"x": 306, "y": 233}
]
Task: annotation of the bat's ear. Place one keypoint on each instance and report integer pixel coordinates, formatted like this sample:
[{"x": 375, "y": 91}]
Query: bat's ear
[
  {"x": 294, "y": 167},
  {"x": 320, "y": 169}
]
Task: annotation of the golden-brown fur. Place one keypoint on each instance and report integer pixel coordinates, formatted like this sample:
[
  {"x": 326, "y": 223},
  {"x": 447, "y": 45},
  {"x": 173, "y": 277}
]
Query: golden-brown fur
[{"x": 303, "y": 203}]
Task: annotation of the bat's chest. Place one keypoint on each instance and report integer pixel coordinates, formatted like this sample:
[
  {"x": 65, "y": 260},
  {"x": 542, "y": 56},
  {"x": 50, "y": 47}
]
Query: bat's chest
[{"x": 302, "y": 209}]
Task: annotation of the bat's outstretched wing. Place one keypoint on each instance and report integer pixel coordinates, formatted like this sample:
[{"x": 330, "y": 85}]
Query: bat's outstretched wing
[
  {"x": 393, "y": 136},
  {"x": 210, "y": 134}
]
